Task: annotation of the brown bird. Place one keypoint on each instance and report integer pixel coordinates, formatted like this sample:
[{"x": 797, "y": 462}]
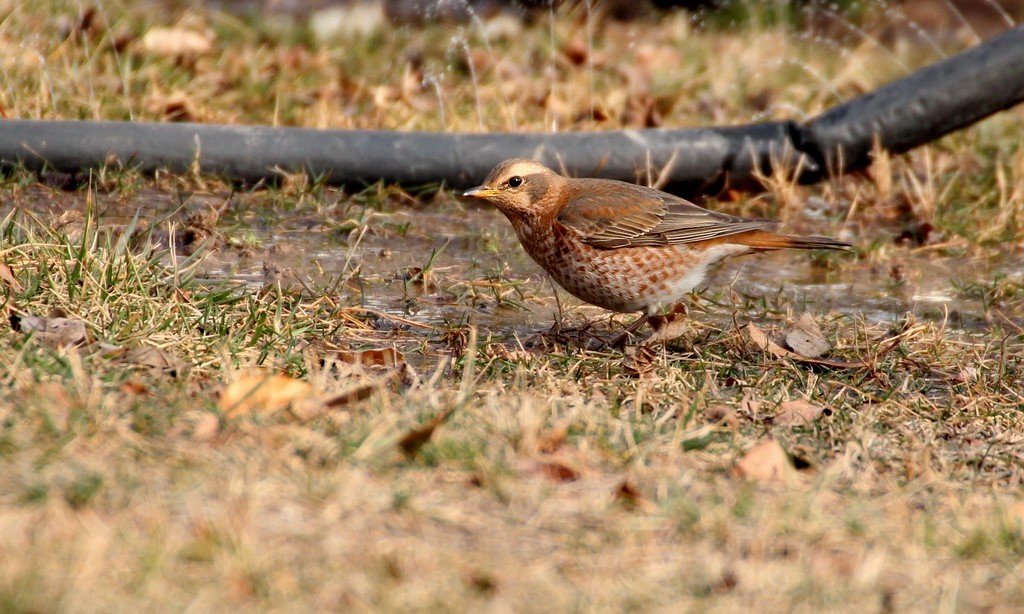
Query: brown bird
[{"x": 622, "y": 246}]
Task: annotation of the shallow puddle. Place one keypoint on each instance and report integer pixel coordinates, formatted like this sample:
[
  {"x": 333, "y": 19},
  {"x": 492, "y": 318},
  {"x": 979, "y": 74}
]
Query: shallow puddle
[{"x": 478, "y": 272}]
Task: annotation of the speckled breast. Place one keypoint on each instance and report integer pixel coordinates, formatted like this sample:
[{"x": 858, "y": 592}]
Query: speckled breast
[{"x": 622, "y": 279}]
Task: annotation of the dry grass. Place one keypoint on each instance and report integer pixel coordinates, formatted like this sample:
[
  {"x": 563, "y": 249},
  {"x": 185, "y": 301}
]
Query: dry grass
[{"x": 559, "y": 482}]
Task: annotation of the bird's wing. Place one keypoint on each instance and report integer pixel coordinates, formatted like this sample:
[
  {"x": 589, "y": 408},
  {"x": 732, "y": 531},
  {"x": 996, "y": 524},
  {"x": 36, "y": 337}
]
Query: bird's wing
[{"x": 611, "y": 214}]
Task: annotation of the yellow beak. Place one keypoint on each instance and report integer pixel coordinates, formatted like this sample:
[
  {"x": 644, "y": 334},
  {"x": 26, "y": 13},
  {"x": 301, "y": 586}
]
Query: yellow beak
[{"x": 481, "y": 192}]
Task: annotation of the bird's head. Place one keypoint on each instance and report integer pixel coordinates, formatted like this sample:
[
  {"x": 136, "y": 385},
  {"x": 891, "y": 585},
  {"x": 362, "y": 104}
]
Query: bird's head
[{"x": 519, "y": 188}]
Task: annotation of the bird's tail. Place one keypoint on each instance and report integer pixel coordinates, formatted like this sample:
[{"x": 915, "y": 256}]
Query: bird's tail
[{"x": 760, "y": 239}]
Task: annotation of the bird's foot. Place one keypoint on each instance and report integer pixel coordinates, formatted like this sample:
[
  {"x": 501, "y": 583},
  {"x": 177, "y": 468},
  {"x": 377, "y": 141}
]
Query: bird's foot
[{"x": 668, "y": 327}]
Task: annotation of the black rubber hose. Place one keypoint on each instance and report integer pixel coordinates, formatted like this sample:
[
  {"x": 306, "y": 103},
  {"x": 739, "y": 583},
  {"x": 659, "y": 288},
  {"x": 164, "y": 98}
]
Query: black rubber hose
[
  {"x": 909, "y": 112},
  {"x": 919, "y": 108},
  {"x": 704, "y": 158}
]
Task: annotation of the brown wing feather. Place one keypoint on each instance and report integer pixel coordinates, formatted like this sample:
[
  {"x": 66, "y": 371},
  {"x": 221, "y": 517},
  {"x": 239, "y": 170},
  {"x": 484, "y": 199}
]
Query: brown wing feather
[
  {"x": 613, "y": 214},
  {"x": 610, "y": 213}
]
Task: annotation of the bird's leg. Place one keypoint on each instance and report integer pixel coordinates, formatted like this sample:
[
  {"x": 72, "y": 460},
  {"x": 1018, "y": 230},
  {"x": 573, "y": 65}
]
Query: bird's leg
[
  {"x": 620, "y": 339},
  {"x": 559, "y": 315}
]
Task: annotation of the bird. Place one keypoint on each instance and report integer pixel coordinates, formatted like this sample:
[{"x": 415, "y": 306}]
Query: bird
[{"x": 622, "y": 246}]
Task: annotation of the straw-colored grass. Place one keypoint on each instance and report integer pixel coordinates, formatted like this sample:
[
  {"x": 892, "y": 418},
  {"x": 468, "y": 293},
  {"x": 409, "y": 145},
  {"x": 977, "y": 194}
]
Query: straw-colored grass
[{"x": 554, "y": 478}]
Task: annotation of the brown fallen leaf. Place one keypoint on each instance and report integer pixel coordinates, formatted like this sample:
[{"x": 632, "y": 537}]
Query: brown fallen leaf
[
  {"x": 134, "y": 387},
  {"x": 668, "y": 327},
  {"x": 798, "y": 412},
  {"x": 403, "y": 374},
  {"x": 265, "y": 395},
  {"x": 356, "y": 393},
  {"x": 53, "y": 331},
  {"x": 766, "y": 343},
  {"x": 8, "y": 277},
  {"x": 805, "y": 337},
  {"x": 726, "y": 582},
  {"x": 387, "y": 357},
  {"x": 629, "y": 496},
  {"x": 638, "y": 360},
  {"x": 178, "y": 107},
  {"x": 554, "y": 470},
  {"x": 766, "y": 462},
  {"x": 411, "y": 442},
  {"x": 156, "y": 359}
]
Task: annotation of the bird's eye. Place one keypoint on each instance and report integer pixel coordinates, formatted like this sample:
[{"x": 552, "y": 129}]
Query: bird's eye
[{"x": 515, "y": 182}]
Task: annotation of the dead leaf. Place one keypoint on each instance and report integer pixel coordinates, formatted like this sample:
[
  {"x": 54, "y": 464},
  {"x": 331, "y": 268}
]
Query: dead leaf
[
  {"x": 356, "y": 393},
  {"x": 766, "y": 343},
  {"x": 58, "y": 332},
  {"x": 387, "y": 357},
  {"x": 805, "y": 337},
  {"x": 766, "y": 462},
  {"x": 175, "y": 107},
  {"x": 8, "y": 277},
  {"x": 668, "y": 327},
  {"x": 628, "y": 495},
  {"x": 177, "y": 42},
  {"x": 412, "y": 441},
  {"x": 554, "y": 470},
  {"x": 156, "y": 359},
  {"x": 508, "y": 354},
  {"x": 727, "y": 582},
  {"x": 638, "y": 360},
  {"x": 134, "y": 387},
  {"x": 265, "y": 395},
  {"x": 402, "y": 374},
  {"x": 641, "y": 111},
  {"x": 798, "y": 412}
]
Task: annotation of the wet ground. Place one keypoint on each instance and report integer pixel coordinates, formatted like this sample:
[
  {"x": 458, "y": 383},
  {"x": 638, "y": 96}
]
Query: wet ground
[
  {"x": 445, "y": 261},
  {"x": 476, "y": 271}
]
